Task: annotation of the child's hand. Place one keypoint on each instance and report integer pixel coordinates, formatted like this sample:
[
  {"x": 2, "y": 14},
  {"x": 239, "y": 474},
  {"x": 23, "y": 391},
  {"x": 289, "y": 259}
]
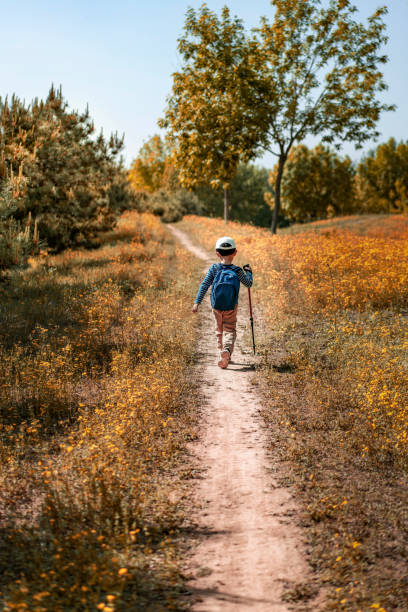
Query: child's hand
[
  {"x": 195, "y": 308},
  {"x": 247, "y": 267}
]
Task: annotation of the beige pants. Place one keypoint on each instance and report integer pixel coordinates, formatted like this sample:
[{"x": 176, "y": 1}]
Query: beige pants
[{"x": 226, "y": 323}]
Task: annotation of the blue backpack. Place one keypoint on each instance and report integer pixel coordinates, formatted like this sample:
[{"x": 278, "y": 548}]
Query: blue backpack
[{"x": 225, "y": 288}]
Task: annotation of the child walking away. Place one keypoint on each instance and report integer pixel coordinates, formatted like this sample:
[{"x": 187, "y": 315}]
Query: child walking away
[{"x": 225, "y": 279}]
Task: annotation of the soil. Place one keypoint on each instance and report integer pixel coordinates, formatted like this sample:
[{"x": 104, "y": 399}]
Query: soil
[{"x": 248, "y": 546}]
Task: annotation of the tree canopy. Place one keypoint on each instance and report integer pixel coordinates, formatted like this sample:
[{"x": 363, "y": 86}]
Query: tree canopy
[
  {"x": 209, "y": 113},
  {"x": 313, "y": 69},
  {"x": 317, "y": 183},
  {"x": 321, "y": 73},
  {"x": 247, "y": 189},
  {"x": 383, "y": 178},
  {"x": 152, "y": 169}
]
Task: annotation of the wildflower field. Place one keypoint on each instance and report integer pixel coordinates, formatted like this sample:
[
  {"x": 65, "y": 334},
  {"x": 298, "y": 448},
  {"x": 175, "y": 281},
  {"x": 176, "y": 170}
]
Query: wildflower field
[
  {"x": 96, "y": 408},
  {"x": 332, "y": 329}
]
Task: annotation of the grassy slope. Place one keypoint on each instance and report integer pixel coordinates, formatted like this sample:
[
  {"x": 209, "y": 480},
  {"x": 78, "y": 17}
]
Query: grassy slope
[
  {"x": 96, "y": 407},
  {"x": 361, "y": 224},
  {"x": 334, "y": 376}
]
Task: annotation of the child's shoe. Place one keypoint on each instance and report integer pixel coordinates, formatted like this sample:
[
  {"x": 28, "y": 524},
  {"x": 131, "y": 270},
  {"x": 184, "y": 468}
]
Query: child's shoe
[{"x": 225, "y": 358}]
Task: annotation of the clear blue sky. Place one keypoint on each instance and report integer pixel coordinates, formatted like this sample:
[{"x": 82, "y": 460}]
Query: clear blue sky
[{"x": 118, "y": 57}]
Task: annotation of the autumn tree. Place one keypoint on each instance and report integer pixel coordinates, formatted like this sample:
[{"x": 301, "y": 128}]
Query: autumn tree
[
  {"x": 317, "y": 183},
  {"x": 247, "y": 189},
  {"x": 383, "y": 178},
  {"x": 153, "y": 169},
  {"x": 154, "y": 179},
  {"x": 210, "y": 115},
  {"x": 322, "y": 71}
]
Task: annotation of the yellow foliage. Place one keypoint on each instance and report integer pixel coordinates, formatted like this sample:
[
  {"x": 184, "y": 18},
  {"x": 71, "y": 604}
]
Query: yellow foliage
[
  {"x": 153, "y": 168},
  {"x": 357, "y": 284},
  {"x": 96, "y": 405},
  {"x": 334, "y": 373}
]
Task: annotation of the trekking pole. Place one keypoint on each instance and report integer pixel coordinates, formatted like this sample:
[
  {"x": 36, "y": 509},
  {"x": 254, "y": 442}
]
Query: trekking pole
[{"x": 251, "y": 318}]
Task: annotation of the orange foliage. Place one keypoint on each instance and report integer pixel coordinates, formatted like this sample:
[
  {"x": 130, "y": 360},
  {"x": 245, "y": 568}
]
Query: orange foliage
[
  {"x": 357, "y": 286},
  {"x": 95, "y": 410}
]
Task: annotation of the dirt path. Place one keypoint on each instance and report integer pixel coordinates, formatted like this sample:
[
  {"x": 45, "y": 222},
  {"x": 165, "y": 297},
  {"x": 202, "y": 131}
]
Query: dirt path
[{"x": 250, "y": 545}]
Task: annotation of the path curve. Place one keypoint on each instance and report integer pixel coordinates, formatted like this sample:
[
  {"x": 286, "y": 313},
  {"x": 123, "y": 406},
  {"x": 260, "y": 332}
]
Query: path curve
[{"x": 250, "y": 544}]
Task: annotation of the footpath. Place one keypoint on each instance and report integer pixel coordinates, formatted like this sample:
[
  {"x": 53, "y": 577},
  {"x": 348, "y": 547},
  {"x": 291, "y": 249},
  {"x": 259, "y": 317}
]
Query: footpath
[{"x": 249, "y": 545}]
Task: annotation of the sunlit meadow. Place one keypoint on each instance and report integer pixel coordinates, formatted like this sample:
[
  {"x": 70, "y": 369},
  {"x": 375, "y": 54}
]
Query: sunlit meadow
[
  {"x": 96, "y": 408},
  {"x": 334, "y": 372}
]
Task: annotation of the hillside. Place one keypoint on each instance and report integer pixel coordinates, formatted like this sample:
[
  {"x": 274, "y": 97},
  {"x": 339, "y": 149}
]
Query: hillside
[{"x": 368, "y": 225}]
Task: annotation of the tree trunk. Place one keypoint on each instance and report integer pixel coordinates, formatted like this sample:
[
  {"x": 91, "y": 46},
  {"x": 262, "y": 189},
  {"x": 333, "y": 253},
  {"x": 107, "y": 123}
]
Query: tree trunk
[
  {"x": 226, "y": 204},
  {"x": 277, "y": 198}
]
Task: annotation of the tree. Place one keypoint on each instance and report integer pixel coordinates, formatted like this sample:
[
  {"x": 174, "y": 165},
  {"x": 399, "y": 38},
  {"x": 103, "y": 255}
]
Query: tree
[
  {"x": 247, "y": 189},
  {"x": 320, "y": 76},
  {"x": 209, "y": 116},
  {"x": 152, "y": 169},
  {"x": 317, "y": 183},
  {"x": 154, "y": 179},
  {"x": 75, "y": 183},
  {"x": 383, "y": 178}
]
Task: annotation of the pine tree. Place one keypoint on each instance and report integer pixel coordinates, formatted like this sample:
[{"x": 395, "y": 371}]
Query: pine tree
[
  {"x": 17, "y": 240},
  {"x": 75, "y": 183}
]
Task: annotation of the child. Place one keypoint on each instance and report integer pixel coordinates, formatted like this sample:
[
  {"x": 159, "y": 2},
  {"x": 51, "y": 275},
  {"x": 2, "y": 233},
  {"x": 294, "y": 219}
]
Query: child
[{"x": 225, "y": 279}]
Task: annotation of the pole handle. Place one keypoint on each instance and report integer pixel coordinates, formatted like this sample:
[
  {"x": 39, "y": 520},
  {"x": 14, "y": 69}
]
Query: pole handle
[{"x": 250, "y": 302}]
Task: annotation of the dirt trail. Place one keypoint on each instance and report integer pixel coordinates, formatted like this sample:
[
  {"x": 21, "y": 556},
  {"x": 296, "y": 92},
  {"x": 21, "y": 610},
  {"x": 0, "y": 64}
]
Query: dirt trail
[{"x": 251, "y": 545}]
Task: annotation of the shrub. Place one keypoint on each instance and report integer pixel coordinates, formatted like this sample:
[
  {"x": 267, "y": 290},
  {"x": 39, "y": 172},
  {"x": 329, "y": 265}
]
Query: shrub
[
  {"x": 172, "y": 205},
  {"x": 17, "y": 241}
]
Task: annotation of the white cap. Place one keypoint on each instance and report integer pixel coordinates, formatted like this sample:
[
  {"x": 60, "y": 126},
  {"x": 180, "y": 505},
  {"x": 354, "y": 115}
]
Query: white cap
[{"x": 225, "y": 243}]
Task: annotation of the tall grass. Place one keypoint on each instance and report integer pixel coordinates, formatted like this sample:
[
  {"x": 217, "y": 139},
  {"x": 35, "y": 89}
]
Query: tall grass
[
  {"x": 96, "y": 407},
  {"x": 335, "y": 380}
]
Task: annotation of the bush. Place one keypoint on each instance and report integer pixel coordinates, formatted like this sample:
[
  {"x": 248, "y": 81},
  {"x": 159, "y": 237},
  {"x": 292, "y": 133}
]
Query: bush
[
  {"x": 172, "y": 205},
  {"x": 17, "y": 241}
]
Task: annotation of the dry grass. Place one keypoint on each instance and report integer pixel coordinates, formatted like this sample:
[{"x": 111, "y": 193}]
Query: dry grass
[
  {"x": 335, "y": 379},
  {"x": 96, "y": 408},
  {"x": 367, "y": 225}
]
